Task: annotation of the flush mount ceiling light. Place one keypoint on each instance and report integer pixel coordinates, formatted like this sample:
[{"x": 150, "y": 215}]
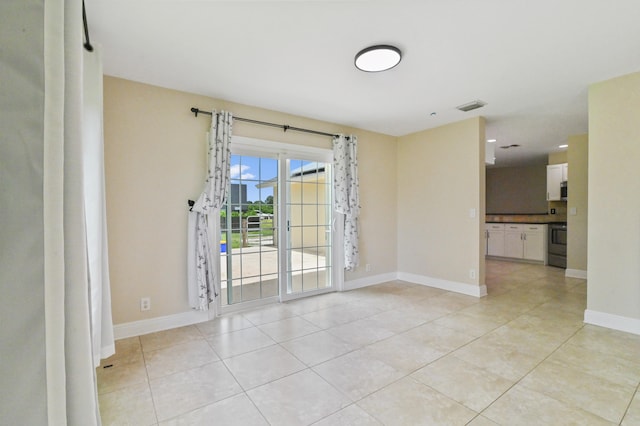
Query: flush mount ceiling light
[
  {"x": 377, "y": 58},
  {"x": 563, "y": 146}
]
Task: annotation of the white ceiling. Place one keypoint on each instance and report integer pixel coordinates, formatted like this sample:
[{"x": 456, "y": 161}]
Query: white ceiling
[{"x": 531, "y": 61}]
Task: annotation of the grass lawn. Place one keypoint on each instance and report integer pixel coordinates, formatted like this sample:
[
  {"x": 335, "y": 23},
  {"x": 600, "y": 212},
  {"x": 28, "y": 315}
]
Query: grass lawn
[{"x": 266, "y": 230}]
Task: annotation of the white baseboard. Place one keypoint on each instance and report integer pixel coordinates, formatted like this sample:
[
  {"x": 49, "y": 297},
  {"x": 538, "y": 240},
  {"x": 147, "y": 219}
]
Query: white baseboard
[
  {"x": 575, "y": 273},
  {"x": 368, "y": 281},
  {"x": 456, "y": 287},
  {"x": 616, "y": 322},
  {"x": 151, "y": 325}
]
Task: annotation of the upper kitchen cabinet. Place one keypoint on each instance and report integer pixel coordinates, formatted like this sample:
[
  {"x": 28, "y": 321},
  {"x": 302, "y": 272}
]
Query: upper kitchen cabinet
[{"x": 556, "y": 174}]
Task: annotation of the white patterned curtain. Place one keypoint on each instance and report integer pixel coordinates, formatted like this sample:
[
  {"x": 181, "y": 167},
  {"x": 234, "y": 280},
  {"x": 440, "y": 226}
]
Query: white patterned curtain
[
  {"x": 347, "y": 199},
  {"x": 204, "y": 218}
]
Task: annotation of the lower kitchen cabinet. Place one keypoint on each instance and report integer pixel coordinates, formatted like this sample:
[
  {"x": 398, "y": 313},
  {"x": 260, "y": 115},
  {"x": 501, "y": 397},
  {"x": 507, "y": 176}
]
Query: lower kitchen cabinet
[
  {"x": 513, "y": 242},
  {"x": 518, "y": 241},
  {"x": 535, "y": 242},
  {"x": 495, "y": 239}
]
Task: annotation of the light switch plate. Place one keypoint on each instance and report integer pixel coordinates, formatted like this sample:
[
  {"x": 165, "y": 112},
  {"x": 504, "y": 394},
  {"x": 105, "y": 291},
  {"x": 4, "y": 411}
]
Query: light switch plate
[{"x": 572, "y": 211}]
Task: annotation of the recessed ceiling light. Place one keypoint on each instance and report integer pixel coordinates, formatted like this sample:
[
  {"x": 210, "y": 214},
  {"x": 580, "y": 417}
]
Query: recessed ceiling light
[
  {"x": 492, "y": 140},
  {"x": 378, "y": 58},
  {"x": 563, "y": 146},
  {"x": 470, "y": 106}
]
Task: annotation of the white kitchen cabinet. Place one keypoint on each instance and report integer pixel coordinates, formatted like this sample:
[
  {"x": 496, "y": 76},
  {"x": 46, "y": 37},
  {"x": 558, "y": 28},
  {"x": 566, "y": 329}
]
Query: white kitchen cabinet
[
  {"x": 534, "y": 242},
  {"x": 565, "y": 172},
  {"x": 494, "y": 233},
  {"x": 513, "y": 246},
  {"x": 527, "y": 241},
  {"x": 554, "y": 177}
]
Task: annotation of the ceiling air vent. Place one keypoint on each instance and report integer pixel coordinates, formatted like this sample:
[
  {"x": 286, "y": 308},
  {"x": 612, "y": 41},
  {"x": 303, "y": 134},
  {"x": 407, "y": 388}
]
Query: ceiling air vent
[{"x": 471, "y": 106}]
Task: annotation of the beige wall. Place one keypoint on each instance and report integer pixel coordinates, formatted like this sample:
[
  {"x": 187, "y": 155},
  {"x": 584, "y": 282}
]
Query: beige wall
[
  {"x": 578, "y": 159},
  {"x": 155, "y": 160},
  {"x": 558, "y": 157},
  {"x": 614, "y": 204},
  {"x": 441, "y": 176},
  {"x": 520, "y": 190}
]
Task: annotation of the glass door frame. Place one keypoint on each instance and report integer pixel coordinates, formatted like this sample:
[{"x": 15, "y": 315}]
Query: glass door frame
[
  {"x": 261, "y": 148},
  {"x": 326, "y": 157}
]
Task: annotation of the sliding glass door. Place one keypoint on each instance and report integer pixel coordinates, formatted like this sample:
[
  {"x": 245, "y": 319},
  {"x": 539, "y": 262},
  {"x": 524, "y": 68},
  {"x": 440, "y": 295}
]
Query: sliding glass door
[
  {"x": 308, "y": 228},
  {"x": 277, "y": 238},
  {"x": 248, "y": 247}
]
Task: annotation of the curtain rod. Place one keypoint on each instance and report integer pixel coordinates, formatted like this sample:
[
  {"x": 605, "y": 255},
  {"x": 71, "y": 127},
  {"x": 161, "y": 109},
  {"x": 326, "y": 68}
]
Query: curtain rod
[
  {"x": 87, "y": 43},
  {"x": 284, "y": 127}
]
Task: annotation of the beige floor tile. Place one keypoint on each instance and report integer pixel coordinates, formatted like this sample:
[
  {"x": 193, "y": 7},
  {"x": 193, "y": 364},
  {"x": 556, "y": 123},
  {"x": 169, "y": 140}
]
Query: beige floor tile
[
  {"x": 125, "y": 348},
  {"x": 317, "y": 347},
  {"x": 443, "y": 339},
  {"x": 400, "y": 320},
  {"x": 403, "y": 353},
  {"x": 173, "y": 359},
  {"x": 237, "y": 410},
  {"x": 599, "y": 339},
  {"x": 615, "y": 369},
  {"x": 268, "y": 314},
  {"x": 288, "y": 329},
  {"x": 341, "y": 314},
  {"x": 239, "y": 342},
  {"x": 462, "y": 349},
  {"x": 472, "y": 325},
  {"x": 182, "y": 392},
  {"x": 455, "y": 301},
  {"x": 535, "y": 343},
  {"x": 463, "y": 382},
  {"x": 128, "y": 406},
  {"x": 525, "y": 407},
  {"x": 350, "y": 416},
  {"x": 166, "y": 338},
  {"x": 224, "y": 324},
  {"x": 357, "y": 374},
  {"x": 299, "y": 399},
  {"x": 632, "y": 416},
  {"x": 360, "y": 333},
  {"x": 573, "y": 386},
  {"x": 121, "y": 372},
  {"x": 421, "y": 292},
  {"x": 482, "y": 421},
  {"x": 262, "y": 366},
  {"x": 317, "y": 303},
  {"x": 408, "y": 402},
  {"x": 504, "y": 362}
]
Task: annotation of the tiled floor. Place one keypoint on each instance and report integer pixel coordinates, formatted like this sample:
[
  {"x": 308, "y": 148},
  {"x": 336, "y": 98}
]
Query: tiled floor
[{"x": 392, "y": 354}]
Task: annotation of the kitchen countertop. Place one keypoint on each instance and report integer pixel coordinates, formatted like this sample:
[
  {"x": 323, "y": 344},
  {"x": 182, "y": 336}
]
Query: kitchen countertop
[{"x": 525, "y": 218}]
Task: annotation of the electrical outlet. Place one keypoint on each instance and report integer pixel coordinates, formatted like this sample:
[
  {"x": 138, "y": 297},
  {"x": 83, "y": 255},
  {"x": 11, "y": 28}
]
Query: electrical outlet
[
  {"x": 472, "y": 274},
  {"x": 367, "y": 267},
  {"x": 145, "y": 304}
]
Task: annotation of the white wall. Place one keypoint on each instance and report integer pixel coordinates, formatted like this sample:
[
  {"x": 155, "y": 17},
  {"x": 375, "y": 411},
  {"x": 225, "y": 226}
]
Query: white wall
[{"x": 614, "y": 204}]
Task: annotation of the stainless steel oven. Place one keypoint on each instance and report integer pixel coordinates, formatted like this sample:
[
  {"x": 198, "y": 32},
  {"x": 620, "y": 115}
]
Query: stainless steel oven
[{"x": 557, "y": 245}]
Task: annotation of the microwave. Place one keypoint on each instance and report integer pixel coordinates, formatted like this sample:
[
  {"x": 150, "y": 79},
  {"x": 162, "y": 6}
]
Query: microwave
[{"x": 563, "y": 190}]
